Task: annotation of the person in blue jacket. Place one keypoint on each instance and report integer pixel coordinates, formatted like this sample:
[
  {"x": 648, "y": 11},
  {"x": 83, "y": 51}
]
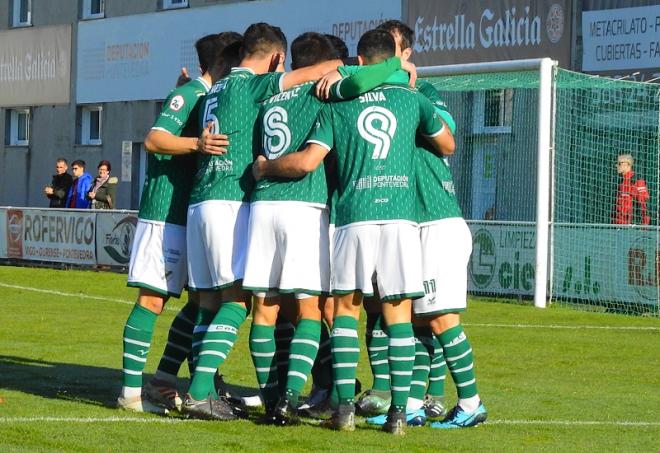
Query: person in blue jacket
[{"x": 82, "y": 183}]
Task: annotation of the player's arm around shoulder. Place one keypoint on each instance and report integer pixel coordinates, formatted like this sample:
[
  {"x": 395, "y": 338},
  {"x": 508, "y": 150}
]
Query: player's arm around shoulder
[
  {"x": 292, "y": 165},
  {"x": 434, "y": 129},
  {"x": 309, "y": 73},
  {"x": 164, "y": 137}
]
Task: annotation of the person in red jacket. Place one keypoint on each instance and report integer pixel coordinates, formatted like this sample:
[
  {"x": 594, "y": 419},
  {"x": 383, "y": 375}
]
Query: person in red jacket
[{"x": 631, "y": 194}]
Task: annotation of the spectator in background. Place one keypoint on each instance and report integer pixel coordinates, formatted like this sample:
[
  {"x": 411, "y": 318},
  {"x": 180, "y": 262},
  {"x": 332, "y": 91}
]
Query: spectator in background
[
  {"x": 102, "y": 194},
  {"x": 631, "y": 195},
  {"x": 60, "y": 184},
  {"x": 82, "y": 184}
]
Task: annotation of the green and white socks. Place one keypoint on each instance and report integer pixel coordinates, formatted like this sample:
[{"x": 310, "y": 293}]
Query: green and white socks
[
  {"x": 137, "y": 341},
  {"x": 262, "y": 350},
  {"x": 401, "y": 357},
  {"x": 421, "y": 369},
  {"x": 377, "y": 347},
  {"x": 218, "y": 340},
  {"x": 302, "y": 354},
  {"x": 458, "y": 354},
  {"x": 345, "y": 354}
]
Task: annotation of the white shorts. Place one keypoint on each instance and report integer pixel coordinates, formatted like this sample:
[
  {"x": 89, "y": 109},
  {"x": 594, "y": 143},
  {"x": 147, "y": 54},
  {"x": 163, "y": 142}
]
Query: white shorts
[
  {"x": 446, "y": 249},
  {"x": 158, "y": 258},
  {"x": 392, "y": 251},
  {"x": 288, "y": 248},
  {"x": 217, "y": 243}
]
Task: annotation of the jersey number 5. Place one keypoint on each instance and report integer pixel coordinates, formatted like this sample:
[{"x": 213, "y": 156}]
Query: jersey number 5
[
  {"x": 209, "y": 107},
  {"x": 377, "y": 125},
  {"x": 277, "y": 135}
]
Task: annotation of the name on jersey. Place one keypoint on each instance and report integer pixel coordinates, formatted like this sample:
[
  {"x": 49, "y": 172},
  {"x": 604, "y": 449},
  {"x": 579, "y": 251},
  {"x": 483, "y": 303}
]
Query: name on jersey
[
  {"x": 449, "y": 187},
  {"x": 284, "y": 96},
  {"x": 219, "y": 86},
  {"x": 375, "y": 96},
  {"x": 377, "y": 182}
]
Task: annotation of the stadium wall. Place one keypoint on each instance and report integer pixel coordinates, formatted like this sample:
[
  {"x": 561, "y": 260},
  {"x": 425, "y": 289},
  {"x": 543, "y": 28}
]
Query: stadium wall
[{"x": 55, "y": 129}]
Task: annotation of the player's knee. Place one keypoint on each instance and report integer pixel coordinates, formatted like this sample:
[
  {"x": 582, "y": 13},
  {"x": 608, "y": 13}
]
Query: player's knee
[
  {"x": 152, "y": 302},
  {"x": 444, "y": 322}
]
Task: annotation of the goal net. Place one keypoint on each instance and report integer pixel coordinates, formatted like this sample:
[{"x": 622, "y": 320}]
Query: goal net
[{"x": 594, "y": 261}]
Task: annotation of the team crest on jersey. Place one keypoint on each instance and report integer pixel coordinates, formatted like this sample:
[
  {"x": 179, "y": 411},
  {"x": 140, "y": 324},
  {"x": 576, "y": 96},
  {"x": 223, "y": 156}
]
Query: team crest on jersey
[{"x": 177, "y": 102}]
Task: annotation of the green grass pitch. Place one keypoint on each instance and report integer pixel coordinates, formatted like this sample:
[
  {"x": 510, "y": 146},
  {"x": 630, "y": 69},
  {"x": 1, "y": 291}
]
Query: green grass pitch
[{"x": 552, "y": 380}]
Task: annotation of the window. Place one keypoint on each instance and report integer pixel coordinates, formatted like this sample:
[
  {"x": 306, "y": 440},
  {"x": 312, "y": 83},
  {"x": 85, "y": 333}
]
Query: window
[
  {"x": 493, "y": 111},
  {"x": 21, "y": 13},
  {"x": 93, "y": 9},
  {"x": 91, "y": 124},
  {"x": 18, "y": 127},
  {"x": 171, "y": 4}
]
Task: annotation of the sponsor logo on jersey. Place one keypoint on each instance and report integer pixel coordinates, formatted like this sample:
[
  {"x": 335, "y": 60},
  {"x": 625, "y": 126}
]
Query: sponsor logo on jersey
[{"x": 177, "y": 103}]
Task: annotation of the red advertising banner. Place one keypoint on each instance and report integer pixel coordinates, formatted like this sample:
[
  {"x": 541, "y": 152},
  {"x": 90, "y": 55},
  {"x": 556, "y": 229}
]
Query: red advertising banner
[{"x": 15, "y": 233}]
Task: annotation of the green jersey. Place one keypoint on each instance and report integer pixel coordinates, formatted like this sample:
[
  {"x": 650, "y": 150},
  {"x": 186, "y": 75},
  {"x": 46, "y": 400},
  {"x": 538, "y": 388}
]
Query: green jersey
[
  {"x": 436, "y": 195},
  {"x": 374, "y": 137},
  {"x": 285, "y": 121},
  {"x": 170, "y": 178},
  {"x": 233, "y": 105}
]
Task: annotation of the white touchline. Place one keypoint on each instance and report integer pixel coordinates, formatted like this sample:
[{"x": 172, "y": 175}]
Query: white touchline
[
  {"x": 555, "y": 326},
  {"x": 161, "y": 420},
  {"x": 79, "y": 295},
  {"x": 509, "y": 326}
]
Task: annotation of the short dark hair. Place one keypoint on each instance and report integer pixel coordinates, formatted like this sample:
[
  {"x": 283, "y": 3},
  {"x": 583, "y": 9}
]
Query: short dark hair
[
  {"x": 78, "y": 163},
  {"x": 229, "y": 58},
  {"x": 339, "y": 45},
  {"x": 376, "y": 45},
  {"x": 206, "y": 47},
  {"x": 261, "y": 38},
  {"x": 106, "y": 163},
  {"x": 311, "y": 48},
  {"x": 406, "y": 33},
  {"x": 210, "y": 47},
  {"x": 61, "y": 159}
]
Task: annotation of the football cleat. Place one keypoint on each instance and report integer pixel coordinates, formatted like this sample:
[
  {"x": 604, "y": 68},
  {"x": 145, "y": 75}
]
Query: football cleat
[
  {"x": 140, "y": 404},
  {"x": 373, "y": 402},
  {"x": 434, "y": 407},
  {"x": 343, "y": 419},
  {"x": 163, "y": 393},
  {"x": 413, "y": 418},
  {"x": 458, "y": 418},
  {"x": 395, "y": 423},
  {"x": 315, "y": 398},
  {"x": 284, "y": 413},
  {"x": 208, "y": 408}
]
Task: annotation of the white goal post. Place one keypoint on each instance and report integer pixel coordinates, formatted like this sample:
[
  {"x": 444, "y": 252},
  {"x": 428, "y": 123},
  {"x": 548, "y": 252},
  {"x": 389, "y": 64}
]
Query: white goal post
[{"x": 545, "y": 140}]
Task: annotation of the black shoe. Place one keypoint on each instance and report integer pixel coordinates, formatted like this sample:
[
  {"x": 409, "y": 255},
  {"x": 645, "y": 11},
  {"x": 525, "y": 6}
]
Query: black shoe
[
  {"x": 237, "y": 406},
  {"x": 395, "y": 423},
  {"x": 208, "y": 408},
  {"x": 220, "y": 385},
  {"x": 343, "y": 419},
  {"x": 320, "y": 411},
  {"x": 268, "y": 418},
  {"x": 285, "y": 413}
]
